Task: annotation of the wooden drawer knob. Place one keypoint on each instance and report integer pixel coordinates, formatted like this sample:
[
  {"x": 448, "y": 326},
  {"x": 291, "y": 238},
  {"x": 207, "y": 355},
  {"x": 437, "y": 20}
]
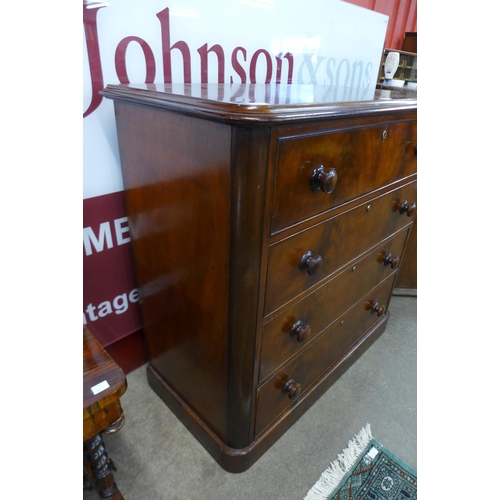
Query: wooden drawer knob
[
  {"x": 300, "y": 330},
  {"x": 311, "y": 263},
  {"x": 292, "y": 388},
  {"x": 392, "y": 260},
  {"x": 407, "y": 207},
  {"x": 377, "y": 307},
  {"x": 323, "y": 179}
]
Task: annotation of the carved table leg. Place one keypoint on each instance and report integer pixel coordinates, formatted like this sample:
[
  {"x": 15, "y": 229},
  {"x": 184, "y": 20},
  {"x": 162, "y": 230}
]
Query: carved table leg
[{"x": 99, "y": 467}]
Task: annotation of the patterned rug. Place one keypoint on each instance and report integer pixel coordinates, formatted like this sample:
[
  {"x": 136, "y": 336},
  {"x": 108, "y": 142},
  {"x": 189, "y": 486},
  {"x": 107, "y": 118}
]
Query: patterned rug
[{"x": 366, "y": 470}]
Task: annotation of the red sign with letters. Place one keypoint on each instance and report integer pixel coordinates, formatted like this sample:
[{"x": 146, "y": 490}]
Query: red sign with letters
[{"x": 109, "y": 287}]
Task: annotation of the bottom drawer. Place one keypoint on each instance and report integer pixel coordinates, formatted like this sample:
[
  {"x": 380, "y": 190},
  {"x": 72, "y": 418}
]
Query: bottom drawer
[{"x": 281, "y": 391}]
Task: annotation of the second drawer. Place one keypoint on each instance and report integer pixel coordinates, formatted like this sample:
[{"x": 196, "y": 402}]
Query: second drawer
[{"x": 303, "y": 260}]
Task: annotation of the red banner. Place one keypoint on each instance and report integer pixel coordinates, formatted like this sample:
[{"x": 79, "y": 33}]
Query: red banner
[{"x": 110, "y": 295}]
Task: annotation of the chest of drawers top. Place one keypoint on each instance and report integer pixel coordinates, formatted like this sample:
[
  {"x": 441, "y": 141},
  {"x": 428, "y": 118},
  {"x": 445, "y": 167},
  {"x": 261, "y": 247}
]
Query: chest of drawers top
[
  {"x": 267, "y": 226},
  {"x": 262, "y": 103}
]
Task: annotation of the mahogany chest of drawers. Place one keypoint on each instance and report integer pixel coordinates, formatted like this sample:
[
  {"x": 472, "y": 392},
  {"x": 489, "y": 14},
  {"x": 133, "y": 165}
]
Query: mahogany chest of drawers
[{"x": 267, "y": 230}]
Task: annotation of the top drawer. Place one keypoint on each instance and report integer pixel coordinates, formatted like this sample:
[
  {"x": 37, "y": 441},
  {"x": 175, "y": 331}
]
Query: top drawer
[{"x": 358, "y": 160}]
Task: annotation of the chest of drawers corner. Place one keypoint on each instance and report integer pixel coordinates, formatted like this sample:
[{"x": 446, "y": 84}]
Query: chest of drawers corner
[{"x": 267, "y": 237}]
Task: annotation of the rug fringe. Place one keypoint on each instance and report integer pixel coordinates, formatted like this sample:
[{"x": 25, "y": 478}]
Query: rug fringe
[{"x": 332, "y": 476}]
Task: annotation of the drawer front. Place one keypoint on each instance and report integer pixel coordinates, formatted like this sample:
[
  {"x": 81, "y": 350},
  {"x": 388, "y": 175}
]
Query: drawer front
[
  {"x": 318, "y": 356},
  {"x": 332, "y": 244},
  {"x": 294, "y": 328},
  {"x": 363, "y": 160}
]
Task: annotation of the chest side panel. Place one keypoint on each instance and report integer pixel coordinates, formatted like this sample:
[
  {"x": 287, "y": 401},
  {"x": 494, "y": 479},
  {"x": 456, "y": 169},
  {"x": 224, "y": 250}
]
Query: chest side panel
[{"x": 176, "y": 172}]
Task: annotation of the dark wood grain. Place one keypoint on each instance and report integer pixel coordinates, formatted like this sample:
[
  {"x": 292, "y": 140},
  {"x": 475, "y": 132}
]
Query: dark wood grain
[
  {"x": 325, "y": 304},
  {"x": 102, "y": 413},
  {"x": 362, "y": 158},
  {"x": 254, "y": 104},
  {"x": 103, "y": 409},
  {"x": 318, "y": 356},
  {"x": 338, "y": 240},
  {"x": 407, "y": 277},
  {"x": 176, "y": 173},
  {"x": 221, "y": 286},
  {"x": 249, "y": 182}
]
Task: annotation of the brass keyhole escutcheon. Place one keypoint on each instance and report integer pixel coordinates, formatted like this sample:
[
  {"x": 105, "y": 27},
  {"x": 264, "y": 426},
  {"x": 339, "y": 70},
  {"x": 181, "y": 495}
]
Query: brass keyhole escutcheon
[{"x": 384, "y": 135}]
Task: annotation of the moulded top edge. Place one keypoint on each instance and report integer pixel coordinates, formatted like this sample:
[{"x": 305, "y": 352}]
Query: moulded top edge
[{"x": 261, "y": 102}]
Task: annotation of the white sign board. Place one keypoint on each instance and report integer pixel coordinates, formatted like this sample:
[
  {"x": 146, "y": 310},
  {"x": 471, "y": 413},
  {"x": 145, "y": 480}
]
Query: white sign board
[{"x": 328, "y": 42}]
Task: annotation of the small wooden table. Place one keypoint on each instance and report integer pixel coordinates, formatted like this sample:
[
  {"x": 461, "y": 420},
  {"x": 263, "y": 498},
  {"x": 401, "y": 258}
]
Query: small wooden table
[{"x": 104, "y": 382}]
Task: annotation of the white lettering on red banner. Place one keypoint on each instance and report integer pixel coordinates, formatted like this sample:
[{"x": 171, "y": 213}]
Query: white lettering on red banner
[
  {"x": 118, "y": 305},
  {"x": 104, "y": 238}
]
